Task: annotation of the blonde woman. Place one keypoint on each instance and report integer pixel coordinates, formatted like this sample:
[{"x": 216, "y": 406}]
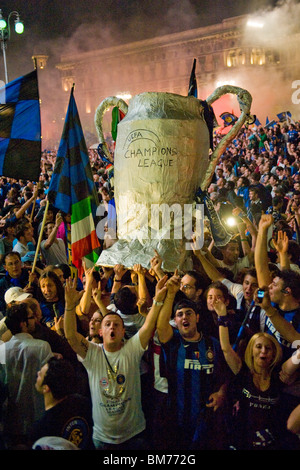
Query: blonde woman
[{"x": 255, "y": 420}]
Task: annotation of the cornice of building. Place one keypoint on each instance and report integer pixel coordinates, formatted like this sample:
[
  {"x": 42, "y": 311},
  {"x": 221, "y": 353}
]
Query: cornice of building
[{"x": 229, "y": 27}]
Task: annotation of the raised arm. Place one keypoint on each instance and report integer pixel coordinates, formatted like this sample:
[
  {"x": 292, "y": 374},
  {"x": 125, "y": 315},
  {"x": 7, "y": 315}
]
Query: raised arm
[
  {"x": 52, "y": 237},
  {"x": 261, "y": 251},
  {"x": 164, "y": 329},
  {"x": 232, "y": 358},
  {"x": 147, "y": 330},
  {"x": 86, "y": 299},
  {"x": 285, "y": 328},
  {"x": 77, "y": 342},
  {"x": 210, "y": 269},
  {"x": 143, "y": 293},
  {"x": 156, "y": 263},
  {"x": 281, "y": 246}
]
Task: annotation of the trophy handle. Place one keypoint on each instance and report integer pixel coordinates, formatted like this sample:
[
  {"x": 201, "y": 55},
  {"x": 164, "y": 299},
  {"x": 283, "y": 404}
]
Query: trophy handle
[
  {"x": 100, "y": 111},
  {"x": 244, "y": 99}
]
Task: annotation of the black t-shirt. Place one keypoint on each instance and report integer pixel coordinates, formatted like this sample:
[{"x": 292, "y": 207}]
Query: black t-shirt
[
  {"x": 70, "y": 419},
  {"x": 256, "y": 421}
]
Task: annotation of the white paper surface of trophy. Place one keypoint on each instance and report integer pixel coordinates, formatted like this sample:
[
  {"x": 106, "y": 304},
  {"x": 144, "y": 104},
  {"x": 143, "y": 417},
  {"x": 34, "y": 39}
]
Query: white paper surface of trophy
[{"x": 161, "y": 159}]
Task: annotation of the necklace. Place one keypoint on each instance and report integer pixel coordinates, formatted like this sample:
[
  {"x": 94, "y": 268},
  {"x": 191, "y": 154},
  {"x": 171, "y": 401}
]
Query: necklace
[{"x": 115, "y": 386}]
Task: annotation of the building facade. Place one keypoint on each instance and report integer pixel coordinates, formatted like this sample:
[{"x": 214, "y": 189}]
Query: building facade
[{"x": 229, "y": 52}]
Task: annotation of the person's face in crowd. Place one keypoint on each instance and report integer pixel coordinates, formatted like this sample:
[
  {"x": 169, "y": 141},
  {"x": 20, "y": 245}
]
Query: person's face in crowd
[
  {"x": 35, "y": 307},
  {"x": 49, "y": 290},
  {"x": 186, "y": 321},
  {"x": 59, "y": 273},
  {"x": 112, "y": 332},
  {"x": 50, "y": 216},
  {"x": 263, "y": 353},
  {"x": 249, "y": 287},
  {"x": 29, "y": 326},
  {"x": 40, "y": 378},
  {"x": 297, "y": 186},
  {"x": 187, "y": 285},
  {"x": 239, "y": 183},
  {"x": 275, "y": 290},
  {"x": 231, "y": 253},
  {"x": 296, "y": 199},
  {"x": 214, "y": 294},
  {"x": 49, "y": 228},
  {"x": 28, "y": 233},
  {"x": 253, "y": 196},
  {"x": 95, "y": 324},
  {"x": 13, "y": 266}
]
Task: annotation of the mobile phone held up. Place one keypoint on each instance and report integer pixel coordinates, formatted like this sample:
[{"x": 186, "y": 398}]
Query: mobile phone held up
[{"x": 260, "y": 295}]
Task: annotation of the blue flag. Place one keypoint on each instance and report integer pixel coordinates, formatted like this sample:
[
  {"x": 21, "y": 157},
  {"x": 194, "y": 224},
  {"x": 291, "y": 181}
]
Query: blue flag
[
  {"x": 257, "y": 122},
  {"x": 284, "y": 116},
  {"x": 72, "y": 179},
  {"x": 270, "y": 124},
  {"x": 193, "y": 82},
  {"x": 267, "y": 121},
  {"x": 228, "y": 118},
  {"x": 20, "y": 129}
]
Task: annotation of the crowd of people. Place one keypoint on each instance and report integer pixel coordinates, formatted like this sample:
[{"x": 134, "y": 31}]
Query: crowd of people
[{"x": 131, "y": 358}]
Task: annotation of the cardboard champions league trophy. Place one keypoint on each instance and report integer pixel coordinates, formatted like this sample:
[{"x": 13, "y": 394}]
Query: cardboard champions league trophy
[{"x": 162, "y": 168}]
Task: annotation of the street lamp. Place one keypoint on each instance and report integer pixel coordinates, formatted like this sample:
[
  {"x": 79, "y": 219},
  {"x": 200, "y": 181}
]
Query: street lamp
[{"x": 5, "y": 34}]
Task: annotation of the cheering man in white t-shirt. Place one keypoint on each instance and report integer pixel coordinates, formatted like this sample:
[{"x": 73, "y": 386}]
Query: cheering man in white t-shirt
[{"x": 114, "y": 372}]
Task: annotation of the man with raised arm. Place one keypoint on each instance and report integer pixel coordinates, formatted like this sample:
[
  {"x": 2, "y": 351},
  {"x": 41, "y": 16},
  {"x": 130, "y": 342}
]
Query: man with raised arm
[
  {"x": 196, "y": 373},
  {"x": 114, "y": 372},
  {"x": 282, "y": 297}
]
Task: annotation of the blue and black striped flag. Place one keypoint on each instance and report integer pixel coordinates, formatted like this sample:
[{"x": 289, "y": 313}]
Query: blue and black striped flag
[
  {"x": 193, "y": 82},
  {"x": 20, "y": 128},
  {"x": 72, "y": 190}
]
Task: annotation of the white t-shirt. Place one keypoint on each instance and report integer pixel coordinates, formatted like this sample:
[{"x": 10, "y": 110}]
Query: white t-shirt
[{"x": 116, "y": 396}]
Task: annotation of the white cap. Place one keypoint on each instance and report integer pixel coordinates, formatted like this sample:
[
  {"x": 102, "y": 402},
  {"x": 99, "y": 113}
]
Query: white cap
[
  {"x": 54, "y": 443},
  {"x": 15, "y": 294}
]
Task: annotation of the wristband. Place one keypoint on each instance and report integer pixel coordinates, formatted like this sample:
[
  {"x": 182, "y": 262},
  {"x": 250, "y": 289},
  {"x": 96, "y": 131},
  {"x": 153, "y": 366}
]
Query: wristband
[
  {"x": 117, "y": 280},
  {"x": 157, "y": 303},
  {"x": 244, "y": 240},
  {"x": 223, "y": 321}
]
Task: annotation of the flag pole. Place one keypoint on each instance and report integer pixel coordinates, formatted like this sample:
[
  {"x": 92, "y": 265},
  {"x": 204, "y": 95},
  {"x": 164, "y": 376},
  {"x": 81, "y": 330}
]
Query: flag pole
[{"x": 39, "y": 239}]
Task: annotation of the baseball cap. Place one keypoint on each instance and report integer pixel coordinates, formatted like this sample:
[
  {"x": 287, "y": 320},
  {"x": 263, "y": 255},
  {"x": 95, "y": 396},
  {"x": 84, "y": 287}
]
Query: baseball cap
[{"x": 15, "y": 294}]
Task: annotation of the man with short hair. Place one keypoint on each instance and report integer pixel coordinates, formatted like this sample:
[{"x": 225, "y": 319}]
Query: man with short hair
[
  {"x": 195, "y": 369},
  {"x": 114, "y": 372},
  {"x": 15, "y": 275},
  {"x": 193, "y": 285},
  {"x": 67, "y": 413},
  {"x": 21, "y": 358}
]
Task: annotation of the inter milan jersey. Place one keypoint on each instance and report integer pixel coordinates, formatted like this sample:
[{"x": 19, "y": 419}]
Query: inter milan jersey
[
  {"x": 194, "y": 370},
  {"x": 291, "y": 316}
]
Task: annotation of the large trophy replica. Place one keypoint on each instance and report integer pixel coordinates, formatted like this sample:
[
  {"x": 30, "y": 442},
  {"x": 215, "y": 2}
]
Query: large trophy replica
[{"x": 162, "y": 168}]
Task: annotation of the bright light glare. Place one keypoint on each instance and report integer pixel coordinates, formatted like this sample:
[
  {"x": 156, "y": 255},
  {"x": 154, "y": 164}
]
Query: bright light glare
[
  {"x": 124, "y": 96},
  {"x": 231, "y": 222},
  {"x": 3, "y": 23},
  {"x": 254, "y": 24},
  {"x": 19, "y": 27},
  {"x": 225, "y": 82}
]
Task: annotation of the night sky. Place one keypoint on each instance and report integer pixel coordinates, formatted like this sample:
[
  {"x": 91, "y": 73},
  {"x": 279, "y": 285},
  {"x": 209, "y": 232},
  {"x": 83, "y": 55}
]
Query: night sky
[{"x": 54, "y": 26}]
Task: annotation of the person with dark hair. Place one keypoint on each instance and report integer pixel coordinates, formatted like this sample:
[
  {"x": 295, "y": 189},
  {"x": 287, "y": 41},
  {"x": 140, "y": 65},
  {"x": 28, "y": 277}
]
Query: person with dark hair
[
  {"x": 193, "y": 285},
  {"x": 114, "y": 372},
  {"x": 281, "y": 300},
  {"x": 22, "y": 357},
  {"x": 51, "y": 297},
  {"x": 24, "y": 235},
  {"x": 15, "y": 276},
  {"x": 196, "y": 372},
  {"x": 68, "y": 414}
]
